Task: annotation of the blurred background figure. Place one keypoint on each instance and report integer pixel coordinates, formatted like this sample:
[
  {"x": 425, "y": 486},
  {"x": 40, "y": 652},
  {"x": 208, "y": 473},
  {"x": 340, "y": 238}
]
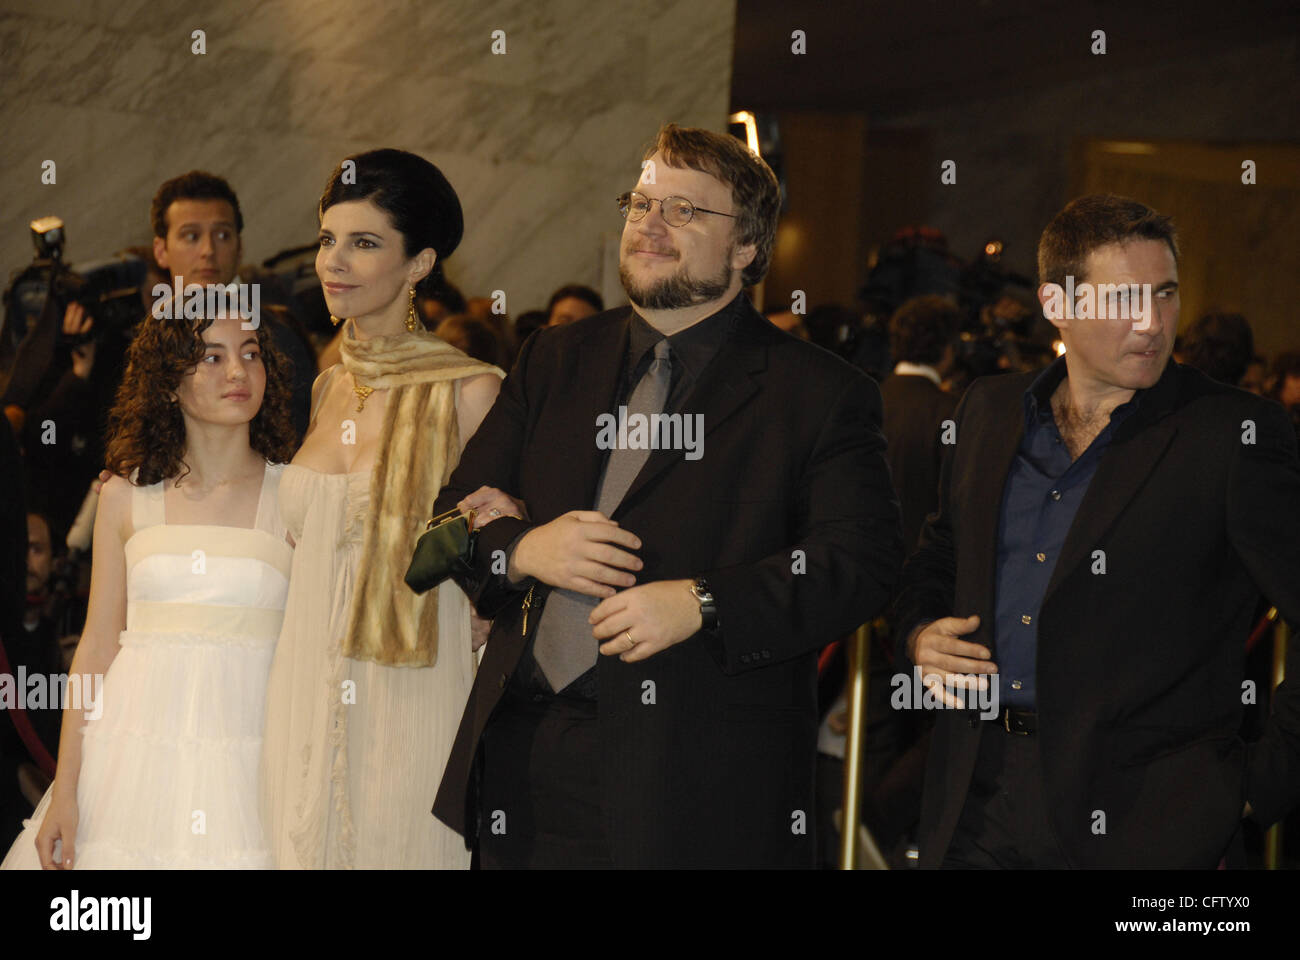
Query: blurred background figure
[
  {"x": 528, "y": 322},
  {"x": 1285, "y": 384},
  {"x": 444, "y": 300},
  {"x": 921, "y": 336},
  {"x": 471, "y": 336},
  {"x": 922, "y": 333},
  {"x": 1220, "y": 345},
  {"x": 1255, "y": 379},
  {"x": 30, "y": 741},
  {"x": 572, "y": 302}
]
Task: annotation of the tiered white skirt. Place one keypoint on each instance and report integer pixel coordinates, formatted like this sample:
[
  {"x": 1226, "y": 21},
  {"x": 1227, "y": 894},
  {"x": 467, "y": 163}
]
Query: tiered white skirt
[{"x": 169, "y": 768}]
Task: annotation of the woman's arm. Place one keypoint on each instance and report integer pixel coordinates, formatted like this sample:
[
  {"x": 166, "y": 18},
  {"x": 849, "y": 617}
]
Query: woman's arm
[
  {"x": 475, "y": 396},
  {"x": 105, "y": 620}
]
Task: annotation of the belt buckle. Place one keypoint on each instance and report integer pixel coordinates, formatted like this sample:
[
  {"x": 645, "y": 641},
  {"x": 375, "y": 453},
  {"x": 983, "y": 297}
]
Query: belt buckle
[{"x": 1006, "y": 723}]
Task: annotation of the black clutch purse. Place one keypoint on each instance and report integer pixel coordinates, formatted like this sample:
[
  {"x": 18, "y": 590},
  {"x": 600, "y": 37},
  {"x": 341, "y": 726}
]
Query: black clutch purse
[{"x": 446, "y": 547}]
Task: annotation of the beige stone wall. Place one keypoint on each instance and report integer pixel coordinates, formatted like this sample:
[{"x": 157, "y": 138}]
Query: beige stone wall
[{"x": 537, "y": 141}]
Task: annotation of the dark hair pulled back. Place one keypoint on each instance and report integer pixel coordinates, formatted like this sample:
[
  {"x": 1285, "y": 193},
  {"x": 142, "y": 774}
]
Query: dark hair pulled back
[{"x": 413, "y": 192}]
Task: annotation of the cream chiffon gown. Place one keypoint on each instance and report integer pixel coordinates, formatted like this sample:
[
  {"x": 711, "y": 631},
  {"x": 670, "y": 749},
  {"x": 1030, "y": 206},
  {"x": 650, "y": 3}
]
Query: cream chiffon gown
[
  {"x": 354, "y": 751},
  {"x": 169, "y": 768}
]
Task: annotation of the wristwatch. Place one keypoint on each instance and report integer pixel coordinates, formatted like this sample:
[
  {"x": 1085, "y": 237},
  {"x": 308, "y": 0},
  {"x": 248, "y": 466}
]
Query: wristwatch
[{"x": 708, "y": 609}]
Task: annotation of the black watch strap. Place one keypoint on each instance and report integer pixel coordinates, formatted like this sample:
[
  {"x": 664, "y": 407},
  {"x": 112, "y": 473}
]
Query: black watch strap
[{"x": 708, "y": 608}]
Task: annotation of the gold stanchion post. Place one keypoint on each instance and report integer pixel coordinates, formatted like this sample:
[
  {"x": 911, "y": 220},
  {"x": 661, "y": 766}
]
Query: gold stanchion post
[
  {"x": 1273, "y": 836},
  {"x": 859, "y": 664}
]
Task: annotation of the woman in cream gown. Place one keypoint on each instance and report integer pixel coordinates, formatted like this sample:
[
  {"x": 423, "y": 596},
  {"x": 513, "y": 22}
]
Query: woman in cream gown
[{"x": 369, "y": 680}]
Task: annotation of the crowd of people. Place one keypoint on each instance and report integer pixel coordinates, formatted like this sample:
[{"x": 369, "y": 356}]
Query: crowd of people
[
  {"x": 60, "y": 421},
  {"x": 631, "y": 666}
]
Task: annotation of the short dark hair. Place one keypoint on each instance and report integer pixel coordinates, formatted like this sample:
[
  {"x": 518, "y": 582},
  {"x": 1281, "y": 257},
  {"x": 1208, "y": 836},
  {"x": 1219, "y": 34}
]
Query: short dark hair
[
  {"x": 578, "y": 292},
  {"x": 195, "y": 185},
  {"x": 1285, "y": 364},
  {"x": 529, "y": 321},
  {"x": 446, "y": 293},
  {"x": 1221, "y": 346},
  {"x": 755, "y": 191},
  {"x": 921, "y": 328},
  {"x": 471, "y": 336},
  {"x": 413, "y": 192},
  {"x": 1094, "y": 221}
]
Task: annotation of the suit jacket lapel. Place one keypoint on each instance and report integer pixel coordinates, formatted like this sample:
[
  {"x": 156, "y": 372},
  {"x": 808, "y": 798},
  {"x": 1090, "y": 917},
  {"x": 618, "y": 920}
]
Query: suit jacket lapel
[
  {"x": 1125, "y": 466},
  {"x": 600, "y": 361},
  {"x": 726, "y": 384}
]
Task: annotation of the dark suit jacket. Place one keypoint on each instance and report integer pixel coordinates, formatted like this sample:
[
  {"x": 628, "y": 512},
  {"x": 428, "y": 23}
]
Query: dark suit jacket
[
  {"x": 914, "y": 412},
  {"x": 1140, "y": 668},
  {"x": 719, "y": 770}
]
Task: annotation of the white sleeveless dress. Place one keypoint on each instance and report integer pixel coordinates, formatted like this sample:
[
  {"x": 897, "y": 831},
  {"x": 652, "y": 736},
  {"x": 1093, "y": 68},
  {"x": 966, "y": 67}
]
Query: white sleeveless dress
[
  {"x": 355, "y": 750},
  {"x": 169, "y": 769}
]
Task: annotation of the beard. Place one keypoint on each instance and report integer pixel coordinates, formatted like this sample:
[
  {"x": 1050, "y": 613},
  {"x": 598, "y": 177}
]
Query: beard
[{"x": 679, "y": 290}]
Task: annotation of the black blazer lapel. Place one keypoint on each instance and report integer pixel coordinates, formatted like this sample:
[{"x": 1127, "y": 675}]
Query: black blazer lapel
[
  {"x": 589, "y": 395},
  {"x": 1124, "y": 468}
]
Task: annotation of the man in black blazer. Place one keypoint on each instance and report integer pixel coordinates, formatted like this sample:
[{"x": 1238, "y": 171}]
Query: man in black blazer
[
  {"x": 917, "y": 412},
  {"x": 1104, "y": 533},
  {"x": 696, "y": 603}
]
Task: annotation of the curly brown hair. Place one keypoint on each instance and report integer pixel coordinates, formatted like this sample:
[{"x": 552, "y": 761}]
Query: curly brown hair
[
  {"x": 755, "y": 191},
  {"x": 146, "y": 429},
  {"x": 922, "y": 327}
]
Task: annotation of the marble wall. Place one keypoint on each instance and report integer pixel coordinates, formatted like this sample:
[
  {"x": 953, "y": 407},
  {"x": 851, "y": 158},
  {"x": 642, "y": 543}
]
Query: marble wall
[{"x": 538, "y": 140}]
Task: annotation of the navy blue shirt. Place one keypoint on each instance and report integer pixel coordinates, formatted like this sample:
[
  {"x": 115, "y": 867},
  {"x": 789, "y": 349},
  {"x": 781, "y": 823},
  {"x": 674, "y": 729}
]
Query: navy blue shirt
[{"x": 1042, "y": 494}]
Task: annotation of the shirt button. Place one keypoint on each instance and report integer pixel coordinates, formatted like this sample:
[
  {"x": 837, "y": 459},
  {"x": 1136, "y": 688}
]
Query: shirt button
[
  {"x": 1056, "y": 494},
  {"x": 1015, "y": 684},
  {"x": 1040, "y": 557},
  {"x": 1025, "y": 619}
]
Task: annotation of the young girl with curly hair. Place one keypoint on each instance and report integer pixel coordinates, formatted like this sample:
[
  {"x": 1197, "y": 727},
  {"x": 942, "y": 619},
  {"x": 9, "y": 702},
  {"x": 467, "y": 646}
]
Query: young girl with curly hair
[{"x": 159, "y": 751}]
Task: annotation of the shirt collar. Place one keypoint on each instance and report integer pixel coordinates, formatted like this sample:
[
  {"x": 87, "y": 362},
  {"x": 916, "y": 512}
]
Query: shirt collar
[
  {"x": 917, "y": 370},
  {"x": 1038, "y": 398},
  {"x": 693, "y": 347}
]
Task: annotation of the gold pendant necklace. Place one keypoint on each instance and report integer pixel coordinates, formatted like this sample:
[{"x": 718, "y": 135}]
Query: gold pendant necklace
[{"x": 363, "y": 394}]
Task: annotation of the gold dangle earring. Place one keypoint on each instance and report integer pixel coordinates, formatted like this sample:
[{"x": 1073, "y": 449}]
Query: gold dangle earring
[
  {"x": 335, "y": 320},
  {"x": 411, "y": 322}
]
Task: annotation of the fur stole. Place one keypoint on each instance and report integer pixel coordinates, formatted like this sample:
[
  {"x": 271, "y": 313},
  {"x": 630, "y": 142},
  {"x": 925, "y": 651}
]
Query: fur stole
[{"x": 419, "y": 447}]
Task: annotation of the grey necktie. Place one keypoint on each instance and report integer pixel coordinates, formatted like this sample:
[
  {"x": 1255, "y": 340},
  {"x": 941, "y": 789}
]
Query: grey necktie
[{"x": 564, "y": 647}]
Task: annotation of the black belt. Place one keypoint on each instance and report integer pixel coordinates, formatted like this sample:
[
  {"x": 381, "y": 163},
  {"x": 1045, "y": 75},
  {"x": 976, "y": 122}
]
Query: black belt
[{"x": 1022, "y": 722}]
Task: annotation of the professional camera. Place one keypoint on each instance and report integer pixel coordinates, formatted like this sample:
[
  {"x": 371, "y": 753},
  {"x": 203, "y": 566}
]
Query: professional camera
[{"x": 109, "y": 289}]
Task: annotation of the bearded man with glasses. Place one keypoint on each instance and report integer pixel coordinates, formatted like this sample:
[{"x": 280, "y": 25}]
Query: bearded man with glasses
[{"x": 648, "y": 692}]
